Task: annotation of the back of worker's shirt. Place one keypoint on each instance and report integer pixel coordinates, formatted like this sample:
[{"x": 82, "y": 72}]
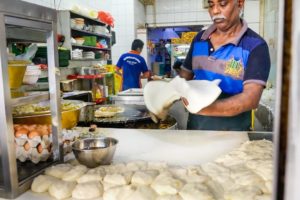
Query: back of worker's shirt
[{"x": 133, "y": 65}]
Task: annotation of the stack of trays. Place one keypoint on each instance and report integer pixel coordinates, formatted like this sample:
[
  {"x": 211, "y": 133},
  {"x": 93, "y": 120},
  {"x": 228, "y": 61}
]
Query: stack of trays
[
  {"x": 77, "y": 54},
  {"x": 88, "y": 55}
]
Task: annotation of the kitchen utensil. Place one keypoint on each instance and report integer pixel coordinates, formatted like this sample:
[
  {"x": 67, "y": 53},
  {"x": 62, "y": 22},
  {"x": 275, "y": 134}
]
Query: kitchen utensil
[
  {"x": 93, "y": 152},
  {"x": 87, "y": 113},
  {"x": 67, "y": 85},
  {"x": 16, "y": 71}
]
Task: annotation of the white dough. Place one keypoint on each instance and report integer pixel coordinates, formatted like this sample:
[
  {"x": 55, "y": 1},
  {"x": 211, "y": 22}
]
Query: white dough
[
  {"x": 96, "y": 174},
  {"x": 58, "y": 170},
  {"x": 74, "y": 173},
  {"x": 195, "y": 191},
  {"x": 193, "y": 90},
  {"x": 263, "y": 197},
  {"x": 242, "y": 193},
  {"x": 62, "y": 189},
  {"x": 145, "y": 177},
  {"x": 88, "y": 190},
  {"x": 142, "y": 193},
  {"x": 164, "y": 185},
  {"x": 42, "y": 183},
  {"x": 137, "y": 165},
  {"x": 169, "y": 197},
  {"x": 118, "y": 179},
  {"x": 118, "y": 193}
]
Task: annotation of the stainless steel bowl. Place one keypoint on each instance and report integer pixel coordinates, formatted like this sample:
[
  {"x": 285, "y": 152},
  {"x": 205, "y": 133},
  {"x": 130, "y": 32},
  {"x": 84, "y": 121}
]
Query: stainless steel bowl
[{"x": 93, "y": 152}]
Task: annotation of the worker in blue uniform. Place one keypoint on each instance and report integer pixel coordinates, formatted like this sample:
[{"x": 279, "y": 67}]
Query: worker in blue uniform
[{"x": 133, "y": 66}]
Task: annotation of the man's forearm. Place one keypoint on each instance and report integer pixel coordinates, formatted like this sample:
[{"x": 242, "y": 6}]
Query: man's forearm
[{"x": 247, "y": 100}]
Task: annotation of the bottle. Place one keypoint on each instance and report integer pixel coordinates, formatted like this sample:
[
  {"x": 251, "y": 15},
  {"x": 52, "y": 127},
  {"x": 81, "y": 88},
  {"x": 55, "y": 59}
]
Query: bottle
[{"x": 96, "y": 92}]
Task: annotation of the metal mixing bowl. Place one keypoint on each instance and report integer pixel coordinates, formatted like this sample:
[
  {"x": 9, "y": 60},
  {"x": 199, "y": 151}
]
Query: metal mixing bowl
[{"x": 93, "y": 152}]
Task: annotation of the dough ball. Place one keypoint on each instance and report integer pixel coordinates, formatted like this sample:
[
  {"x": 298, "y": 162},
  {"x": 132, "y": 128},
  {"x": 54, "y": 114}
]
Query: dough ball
[
  {"x": 195, "y": 191},
  {"x": 74, "y": 173},
  {"x": 62, "y": 189},
  {"x": 145, "y": 177},
  {"x": 118, "y": 179},
  {"x": 118, "y": 193},
  {"x": 166, "y": 185},
  {"x": 169, "y": 197},
  {"x": 42, "y": 183},
  {"x": 242, "y": 192},
  {"x": 88, "y": 190},
  {"x": 58, "y": 170},
  {"x": 137, "y": 165},
  {"x": 96, "y": 174},
  {"x": 142, "y": 193}
]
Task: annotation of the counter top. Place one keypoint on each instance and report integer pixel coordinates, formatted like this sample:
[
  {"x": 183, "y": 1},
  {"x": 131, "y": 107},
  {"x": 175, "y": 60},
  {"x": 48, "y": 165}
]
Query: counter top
[{"x": 176, "y": 147}]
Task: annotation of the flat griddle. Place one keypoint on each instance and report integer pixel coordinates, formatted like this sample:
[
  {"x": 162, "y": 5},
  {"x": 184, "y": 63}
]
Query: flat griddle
[{"x": 132, "y": 114}]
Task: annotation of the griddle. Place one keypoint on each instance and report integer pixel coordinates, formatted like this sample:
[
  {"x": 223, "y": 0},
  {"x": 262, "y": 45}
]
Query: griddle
[{"x": 133, "y": 114}]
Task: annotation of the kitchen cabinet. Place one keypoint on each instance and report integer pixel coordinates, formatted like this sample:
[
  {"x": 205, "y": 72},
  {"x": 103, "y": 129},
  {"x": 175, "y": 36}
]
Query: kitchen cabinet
[{"x": 24, "y": 22}]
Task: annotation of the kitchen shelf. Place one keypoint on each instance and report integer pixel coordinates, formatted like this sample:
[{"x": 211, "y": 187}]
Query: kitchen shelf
[
  {"x": 31, "y": 97},
  {"x": 90, "y": 47},
  {"x": 87, "y": 33},
  {"x": 87, "y": 59},
  {"x": 74, "y": 76},
  {"x": 74, "y": 14}
]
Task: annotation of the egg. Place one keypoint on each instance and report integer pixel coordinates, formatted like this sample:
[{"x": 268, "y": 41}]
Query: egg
[
  {"x": 21, "y": 132},
  {"x": 33, "y": 134},
  {"x": 32, "y": 127},
  {"x": 17, "y": 127},
  {"x": 27, "y": 146},
  {"x": 39, "y": 148},
  {"x": 43, "y": 132}
]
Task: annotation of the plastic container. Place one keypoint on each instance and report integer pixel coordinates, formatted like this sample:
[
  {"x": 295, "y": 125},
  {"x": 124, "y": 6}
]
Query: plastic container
[
  {"x": 32, "y": 74},
  {"x": 16, "y": 71}
]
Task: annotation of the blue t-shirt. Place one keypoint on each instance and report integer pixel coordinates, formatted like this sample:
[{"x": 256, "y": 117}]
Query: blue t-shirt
[
  {"x": 133, "y": 65},
  {"x": 244, "y": 60}
]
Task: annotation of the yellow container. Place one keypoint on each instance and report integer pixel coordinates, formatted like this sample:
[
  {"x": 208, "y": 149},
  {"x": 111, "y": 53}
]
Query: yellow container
[
  {"x": 16, "y": 72},
  {"x": 69, "y": 119}
]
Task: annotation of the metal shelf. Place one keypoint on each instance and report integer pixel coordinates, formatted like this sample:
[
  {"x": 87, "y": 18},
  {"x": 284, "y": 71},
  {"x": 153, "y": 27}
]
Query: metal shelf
[
  {"x": 30, "y": 97},
  {"x": 75, "y": 14},
  {"x": 90, "y": 47},
  {"x": 86, "y": 59},
  {"x": 91, "y": 33}
]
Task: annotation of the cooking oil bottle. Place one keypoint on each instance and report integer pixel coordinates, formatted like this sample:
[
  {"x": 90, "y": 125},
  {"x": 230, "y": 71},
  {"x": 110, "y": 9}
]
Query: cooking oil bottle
[{"x": 97, "y": 92}]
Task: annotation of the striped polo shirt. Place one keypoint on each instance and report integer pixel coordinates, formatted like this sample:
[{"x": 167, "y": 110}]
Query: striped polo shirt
[{"x": 246, "y": 59}]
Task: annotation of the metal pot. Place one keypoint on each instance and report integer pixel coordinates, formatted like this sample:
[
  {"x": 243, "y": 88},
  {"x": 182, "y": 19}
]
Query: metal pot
[
  {"x": 67, "y": 85},
  {"x": 87, "y": 113}
]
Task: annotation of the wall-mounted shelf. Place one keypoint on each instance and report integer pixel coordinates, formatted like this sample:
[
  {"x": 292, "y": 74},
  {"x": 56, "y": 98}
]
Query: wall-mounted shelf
[
  {"x": 89, "y": 47},
  {"x": 88, "y": 33}
]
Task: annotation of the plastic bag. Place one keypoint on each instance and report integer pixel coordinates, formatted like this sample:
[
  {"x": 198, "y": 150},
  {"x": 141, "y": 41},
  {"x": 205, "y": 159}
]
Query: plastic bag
[{"x": 106, "y": 18}]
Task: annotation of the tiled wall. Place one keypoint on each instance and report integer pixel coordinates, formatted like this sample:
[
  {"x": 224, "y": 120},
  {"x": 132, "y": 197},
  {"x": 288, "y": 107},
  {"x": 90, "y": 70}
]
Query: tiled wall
[
  {"x": 191, "y": 12},
  {"x": 67, "y": 4},
  {"x": 123, "y": 13}
]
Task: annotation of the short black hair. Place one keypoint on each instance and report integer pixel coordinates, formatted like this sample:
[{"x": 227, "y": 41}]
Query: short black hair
[{"x": 137, "y": 43}]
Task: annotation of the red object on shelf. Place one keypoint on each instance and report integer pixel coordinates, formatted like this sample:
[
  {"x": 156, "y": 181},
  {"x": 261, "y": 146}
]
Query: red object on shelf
[
  {"x": 101, "y": 100},
  {"x": 106, "y": 18},
  {"x": 74, "y": 76}
]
